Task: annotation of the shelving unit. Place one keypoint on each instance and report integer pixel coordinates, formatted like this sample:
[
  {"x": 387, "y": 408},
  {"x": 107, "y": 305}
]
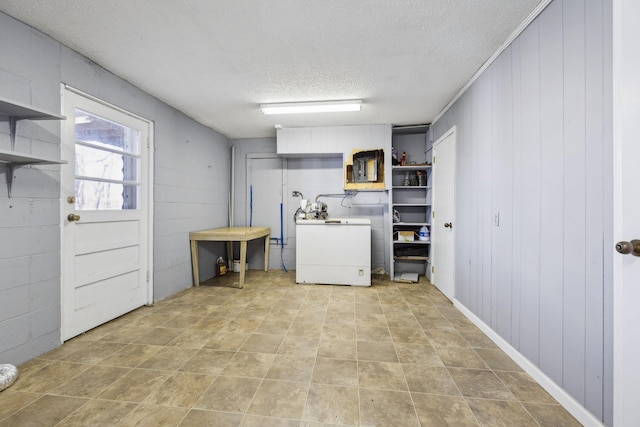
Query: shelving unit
[
  {"x": 410, "y": 199},
  {"x": 13, "y": 112}
]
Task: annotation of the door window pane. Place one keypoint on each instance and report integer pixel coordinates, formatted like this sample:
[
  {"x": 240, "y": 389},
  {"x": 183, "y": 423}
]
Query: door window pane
[{"x": 107, "y": 164}]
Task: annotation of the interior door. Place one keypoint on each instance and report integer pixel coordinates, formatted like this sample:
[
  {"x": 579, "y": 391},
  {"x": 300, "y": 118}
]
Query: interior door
[
  {"x": 626, "y": 267},
  {"x": 106, "y": 215},
  {"x": 443, "y": 214}
]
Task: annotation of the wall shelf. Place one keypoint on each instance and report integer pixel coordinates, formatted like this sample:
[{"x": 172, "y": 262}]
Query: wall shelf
[{"x": 13, "y": 112}]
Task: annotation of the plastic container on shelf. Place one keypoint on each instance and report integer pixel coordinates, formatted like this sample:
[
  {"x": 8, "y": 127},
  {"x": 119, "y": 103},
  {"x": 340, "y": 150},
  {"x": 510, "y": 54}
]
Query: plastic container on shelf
[{"x": 424, "y": 234}]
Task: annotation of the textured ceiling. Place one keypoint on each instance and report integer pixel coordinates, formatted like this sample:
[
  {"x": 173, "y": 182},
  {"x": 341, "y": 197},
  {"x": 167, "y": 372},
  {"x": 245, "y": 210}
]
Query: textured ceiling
[{"x": 217, "y": 60}]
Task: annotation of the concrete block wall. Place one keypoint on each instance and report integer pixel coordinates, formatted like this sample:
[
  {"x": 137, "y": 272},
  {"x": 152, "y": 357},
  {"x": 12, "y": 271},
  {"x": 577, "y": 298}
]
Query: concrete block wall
[{"x": 191, "y": 182}]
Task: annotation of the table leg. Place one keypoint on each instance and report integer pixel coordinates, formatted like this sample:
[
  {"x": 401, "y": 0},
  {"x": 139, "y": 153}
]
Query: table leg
[
  {"x": 243, "y": 257},
  {"x": 266, "y": 252},
  {"x": 194, "y": 262},
  {"x": 229, "y": 257}
]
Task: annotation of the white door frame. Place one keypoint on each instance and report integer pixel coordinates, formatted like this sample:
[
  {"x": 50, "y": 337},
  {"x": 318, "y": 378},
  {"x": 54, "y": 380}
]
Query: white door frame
[
  {"x": 626, "y": 203},
  {"x": 149, "y": 200},
  {"x": 434, "y": 241}
]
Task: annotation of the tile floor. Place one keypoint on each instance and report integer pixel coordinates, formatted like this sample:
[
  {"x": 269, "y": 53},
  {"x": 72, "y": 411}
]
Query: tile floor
[{"x": 280, "y": 354}]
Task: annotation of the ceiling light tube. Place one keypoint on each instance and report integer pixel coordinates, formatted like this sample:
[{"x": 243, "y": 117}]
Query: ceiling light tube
[{"x": 311, "y": 107}]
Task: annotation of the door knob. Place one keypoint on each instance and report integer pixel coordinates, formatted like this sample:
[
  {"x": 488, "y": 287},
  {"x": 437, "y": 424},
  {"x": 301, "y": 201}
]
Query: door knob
[
  {"x": 448, "y": 225},
  {"x": 71, "y": 200},
  {"x": 632, "y": 247},
  {"x": 73, "y": 217}
]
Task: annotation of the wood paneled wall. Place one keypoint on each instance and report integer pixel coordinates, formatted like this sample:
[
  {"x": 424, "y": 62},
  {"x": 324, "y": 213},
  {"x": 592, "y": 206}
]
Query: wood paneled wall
[{"x": 534, "y": 145}]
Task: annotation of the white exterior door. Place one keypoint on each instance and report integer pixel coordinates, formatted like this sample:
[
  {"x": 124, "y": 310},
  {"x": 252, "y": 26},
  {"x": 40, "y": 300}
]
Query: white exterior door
[
  {"x": 626, "y": 268},
  {"x": 443, "y": 214},
  {"x": 106, "y": 259}
]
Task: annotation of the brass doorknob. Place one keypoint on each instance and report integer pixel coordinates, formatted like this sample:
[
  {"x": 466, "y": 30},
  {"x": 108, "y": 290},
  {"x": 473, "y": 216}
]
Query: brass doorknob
[
  {"x": 632, "y": 247},
  {"x": 73, "y": 217},
  {"x": 448, "y": 225}
]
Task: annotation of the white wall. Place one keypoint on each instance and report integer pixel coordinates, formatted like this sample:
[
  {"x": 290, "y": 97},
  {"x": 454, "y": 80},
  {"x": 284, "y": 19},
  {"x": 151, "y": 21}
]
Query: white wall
[
  {"x": 534, "y": 144},
  {"x": 312, "y": 176},
  {"x": 191, "y": 181}
]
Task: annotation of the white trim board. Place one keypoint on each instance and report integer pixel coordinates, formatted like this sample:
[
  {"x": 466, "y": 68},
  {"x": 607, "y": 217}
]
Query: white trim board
[
  {"x": 574, "y": 407},
  {"x": 533, "y": 15}
]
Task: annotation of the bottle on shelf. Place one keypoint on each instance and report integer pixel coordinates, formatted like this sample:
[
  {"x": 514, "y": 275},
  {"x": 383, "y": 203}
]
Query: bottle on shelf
[
  {"x": 424, "y": 234},
  {"x": 403, "y": 159}
]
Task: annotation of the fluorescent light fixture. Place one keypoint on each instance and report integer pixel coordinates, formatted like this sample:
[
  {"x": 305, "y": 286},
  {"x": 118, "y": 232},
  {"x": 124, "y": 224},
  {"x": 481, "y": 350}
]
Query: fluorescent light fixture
[{"x": 311, "y": 107}]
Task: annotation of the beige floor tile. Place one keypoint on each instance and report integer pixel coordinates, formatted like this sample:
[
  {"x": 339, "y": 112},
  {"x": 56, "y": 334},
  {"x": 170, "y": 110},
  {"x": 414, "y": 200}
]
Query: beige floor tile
[
  {"x": 370, "y": 333},
  {"x": 288, "y": 367},
  {"x": 46, "y": 411},
  {"x": 159, "y": 336},
  {"x": 200, "y": 418},
  {"x": 302, "y": 346},
  {"x": 382, "y": 375},
  {"x": 98, "y": 413},
  {"x": 443, "y": 411},
  {"x": 94, "y": 352},
  {"x": 207, "y": 361},
  {"x": 229, "y": 394},
  {"x": 169, "y": 358},
  {"x": 524, "y": 388},
  {"x": 131, "y": 356},
  {"x": 136, "y": 385},
  {"x": 273, "y": 327},
  {"x": 461, "y": 357},
  {"x": 253, "y": 365},
  {"x": 387, "y": 408},
  {"x": 377, "y": 351},
  {"x": 480, "y": 384},
  {"x": 155, "y": 416},
  {"x": 337, "y": 349},
  {"x": 262, "y": 343},
  {"x": 369, "y": 319},
  {"x": 182, "y": 389},
  {"x": 244, "y": 326},
  {"x": 477, "y": 339},
  {"x": 305, "y": 328},
  {"x": 227, "y": 341},
  {"x": 339, "y": 330},
  {"x": 416, "y": 353},
  {"x": 335, "y": 372},
  {"x": 498, "y": 360},
  {"x": 551, "y": 415},
  {"x": 260, "y": 421},
  {"x": 500, "y": 413},
  {"x": 13, "y": 401},
  {"x": 406, "y": 335},
  {"x": 192, "y": 338},
  {"x": 446, "y": 338},
  {"x": 212, "y": 323},
  {"x": 279, "y": 399},
  {"x": 430, "y": 379},
  {"x": 330, "y": 404},
  {"x": 91, "y": 381},
  {"x": 48, "y": 377},
  {"x": 126, "y": 335}
]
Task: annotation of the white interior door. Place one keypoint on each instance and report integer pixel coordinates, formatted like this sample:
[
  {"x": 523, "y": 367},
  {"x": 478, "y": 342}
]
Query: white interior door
[
  {"x": 106, "y": 213},
  {"x": 443, "y": 214},
  {"x": 626, "y": 268}
]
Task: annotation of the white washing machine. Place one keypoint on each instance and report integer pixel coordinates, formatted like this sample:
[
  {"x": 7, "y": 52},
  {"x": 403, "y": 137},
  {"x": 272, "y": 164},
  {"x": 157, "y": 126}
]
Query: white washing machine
[{"x": 334, "y": 251}]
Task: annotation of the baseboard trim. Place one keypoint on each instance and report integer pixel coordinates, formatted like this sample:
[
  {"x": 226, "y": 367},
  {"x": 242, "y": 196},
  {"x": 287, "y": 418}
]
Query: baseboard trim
[{"x": 580, "y": 413}]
